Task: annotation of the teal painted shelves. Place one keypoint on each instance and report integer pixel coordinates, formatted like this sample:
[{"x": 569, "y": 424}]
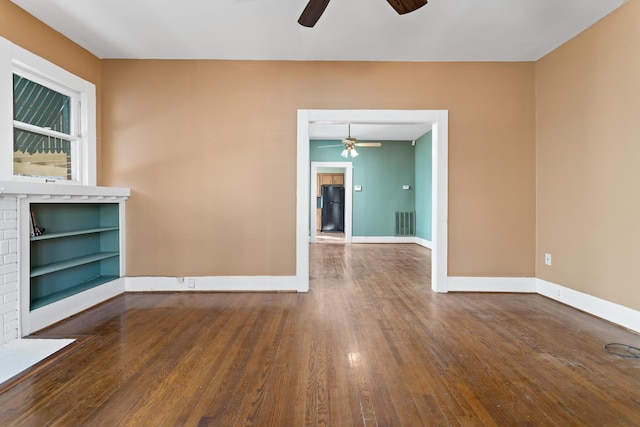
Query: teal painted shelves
[
  {"x": 66, "y": 293},
  {"x": 70, "y": 263},
  {"x": 80, "y": 249},
  {"x": 49, "y": 236}
]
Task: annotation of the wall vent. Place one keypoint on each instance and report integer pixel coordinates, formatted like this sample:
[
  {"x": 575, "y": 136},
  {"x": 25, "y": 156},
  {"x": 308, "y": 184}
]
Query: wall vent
[{"x": 406, "y": 223}]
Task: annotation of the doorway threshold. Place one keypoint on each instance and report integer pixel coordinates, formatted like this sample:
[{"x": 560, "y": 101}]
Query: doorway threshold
[{"x": 330, "y": 237}]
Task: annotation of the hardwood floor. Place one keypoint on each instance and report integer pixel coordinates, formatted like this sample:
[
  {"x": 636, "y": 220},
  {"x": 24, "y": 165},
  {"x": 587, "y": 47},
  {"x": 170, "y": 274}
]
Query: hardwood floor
[
  {"x": 369, "y": 345},
  {"x": 330, "y": 237}
]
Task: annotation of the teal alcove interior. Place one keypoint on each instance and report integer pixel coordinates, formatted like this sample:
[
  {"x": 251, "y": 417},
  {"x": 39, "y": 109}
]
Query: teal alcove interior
[{"x": 382, "y": 172}]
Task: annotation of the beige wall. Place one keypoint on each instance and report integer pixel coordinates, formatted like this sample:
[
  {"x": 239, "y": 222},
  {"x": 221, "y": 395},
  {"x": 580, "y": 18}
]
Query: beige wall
[
  {"x": 31, "y": 34},
  {"x": 588, "y": 160},
  {"x": 202, "y": 143}
]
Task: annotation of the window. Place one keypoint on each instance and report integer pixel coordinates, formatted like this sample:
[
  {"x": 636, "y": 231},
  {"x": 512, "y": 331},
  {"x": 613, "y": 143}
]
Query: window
[
  {"x": 50, "y": 118},
  {"x": 43, "y": 141}
]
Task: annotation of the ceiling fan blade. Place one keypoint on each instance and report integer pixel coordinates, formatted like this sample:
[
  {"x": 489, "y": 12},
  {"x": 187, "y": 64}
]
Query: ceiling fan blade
[
  {"x": 327, "y": 146},
  {"x": 406, "y": 6},
  {"x": 368, "y": 144},
  {"x": 312, "y": 12}
]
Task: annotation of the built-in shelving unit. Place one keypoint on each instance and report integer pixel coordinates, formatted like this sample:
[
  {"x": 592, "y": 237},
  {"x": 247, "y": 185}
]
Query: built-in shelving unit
[
  {"x": 78, "y": 262},
  {"x": 79, "y": 250}
]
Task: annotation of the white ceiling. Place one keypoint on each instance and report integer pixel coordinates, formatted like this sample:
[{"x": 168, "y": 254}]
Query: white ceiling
[{"x": 361, "y": 30}]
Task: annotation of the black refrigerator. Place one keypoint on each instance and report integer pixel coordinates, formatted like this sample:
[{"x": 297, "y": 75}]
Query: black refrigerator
[{"x": 332, "y": 208}]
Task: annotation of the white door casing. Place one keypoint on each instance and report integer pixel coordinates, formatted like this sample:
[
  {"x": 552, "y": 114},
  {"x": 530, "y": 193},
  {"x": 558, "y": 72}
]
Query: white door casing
[{"x": 439, "y": 119}]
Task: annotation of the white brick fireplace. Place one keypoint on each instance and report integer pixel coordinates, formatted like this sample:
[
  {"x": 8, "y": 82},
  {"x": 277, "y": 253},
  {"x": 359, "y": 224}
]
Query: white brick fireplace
[{"x": 9, "y": 326}]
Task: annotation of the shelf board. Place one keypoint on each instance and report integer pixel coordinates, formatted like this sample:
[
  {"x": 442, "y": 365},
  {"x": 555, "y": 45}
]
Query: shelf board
[
  {"x": 73, "y": 262},
  {"x": 72, "y": 233},
  {"x": 57, "y": 296}
]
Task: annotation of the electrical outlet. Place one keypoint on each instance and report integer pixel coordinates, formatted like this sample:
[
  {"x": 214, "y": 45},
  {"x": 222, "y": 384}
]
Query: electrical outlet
[
  {"x": 547, "y": 259},
  {"x": 192, "y": 283}
]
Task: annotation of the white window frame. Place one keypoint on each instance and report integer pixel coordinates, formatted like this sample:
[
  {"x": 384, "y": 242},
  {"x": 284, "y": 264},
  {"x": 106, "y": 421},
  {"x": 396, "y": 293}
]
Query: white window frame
[{"x": 14, "y": 59}]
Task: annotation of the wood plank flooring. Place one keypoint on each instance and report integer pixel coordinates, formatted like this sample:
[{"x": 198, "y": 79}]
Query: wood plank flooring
[{"x": 369, "y": 345}]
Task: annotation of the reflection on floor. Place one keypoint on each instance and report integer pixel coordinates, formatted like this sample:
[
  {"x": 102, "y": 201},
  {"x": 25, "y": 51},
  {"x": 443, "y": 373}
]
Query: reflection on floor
[{"x": 325, "y": 237}]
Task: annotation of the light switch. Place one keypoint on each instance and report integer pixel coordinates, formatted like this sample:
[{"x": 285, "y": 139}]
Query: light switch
[
  {"x": 406, "y": 187},
  {"x": 357, "y": 188}
]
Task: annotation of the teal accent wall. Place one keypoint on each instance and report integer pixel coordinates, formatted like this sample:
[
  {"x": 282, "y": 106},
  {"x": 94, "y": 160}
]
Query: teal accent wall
[
  {"x": 424, "y": 196},
  {"x": 381, "y": 172},
  {"x": 330, "y": 154}
]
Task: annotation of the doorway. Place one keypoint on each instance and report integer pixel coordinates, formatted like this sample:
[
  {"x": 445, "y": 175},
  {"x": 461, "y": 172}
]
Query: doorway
[
  {"x": 330, "y": 207},
  {"x": 439, "y": 120},
  {"x": 347, "y": 170}
]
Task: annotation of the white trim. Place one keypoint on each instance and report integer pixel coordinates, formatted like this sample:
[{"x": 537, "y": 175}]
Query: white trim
[
  {"x": 615, "y": 313},
  {"x": 213, "y": 284},
  {"x": 122, "y": 216},
  {"x": 89, "y": 150},
  {"x": 60, "y": 310},
  {"x": 423, "y": 242},
  {"x": 348, "y": 197},
  {"x": 55, "y": 189},
  {"x": 384, "y": 239},
  {"x": 24, "y": 255},
  {"x": 302, "y": 205},
  {"x": 439, "y": 120},
  {"x": 440, "y": 202},
  {"x": 6, "y": 110},
  {"x": 492, "y": 284},
  {"x": 612, "y": 312},
  {"x": 43, "y": 131},
  {"x": 392, "y": 239}
]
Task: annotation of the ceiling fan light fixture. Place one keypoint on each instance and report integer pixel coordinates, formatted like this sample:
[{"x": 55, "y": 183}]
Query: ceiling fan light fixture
[
  {"x": 345, "y": 153},
  {"x": 354, "y": 153}
]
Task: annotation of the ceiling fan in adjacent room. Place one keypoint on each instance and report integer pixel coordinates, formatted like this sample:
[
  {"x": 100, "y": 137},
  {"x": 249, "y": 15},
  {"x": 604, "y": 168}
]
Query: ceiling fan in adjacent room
[
  {"x": 350, "y": 143},
  {"x": 315, "y": 9}
]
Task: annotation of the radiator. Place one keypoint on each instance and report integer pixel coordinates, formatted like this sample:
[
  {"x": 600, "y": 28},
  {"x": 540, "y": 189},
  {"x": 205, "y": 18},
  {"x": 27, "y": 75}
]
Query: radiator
[{"x": 406, "y": 223}]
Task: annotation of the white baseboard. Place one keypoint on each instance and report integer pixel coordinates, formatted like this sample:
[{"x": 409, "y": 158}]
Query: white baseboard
[
  {"x": 383, "y": 239},
  {"x": 390, "y": 239},
  {"x": 491, "y": 284},
  {"x": 612, "y": 312},
  {"x": 422, "y": 242},
  {"x": 60, "y": 310},
  {"x": 615, "y": 313},
  {"x": 213, "y": 283}
]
